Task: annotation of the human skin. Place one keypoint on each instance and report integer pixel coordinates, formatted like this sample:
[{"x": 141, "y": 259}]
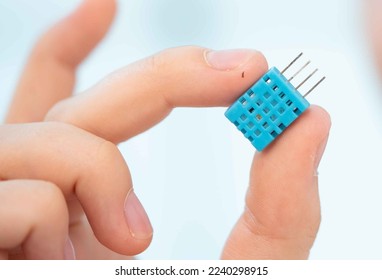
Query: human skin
[
  {"x": 69, "y": 155},
  {"x": 374, "y": 24}
]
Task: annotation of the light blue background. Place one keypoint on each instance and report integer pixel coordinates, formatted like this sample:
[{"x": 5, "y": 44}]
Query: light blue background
[{"x": 191, "y": 171}]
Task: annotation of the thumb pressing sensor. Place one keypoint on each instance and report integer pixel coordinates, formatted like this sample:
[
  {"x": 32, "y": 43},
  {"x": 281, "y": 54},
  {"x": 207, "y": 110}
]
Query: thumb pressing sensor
[{"x": 268, "y": 107}]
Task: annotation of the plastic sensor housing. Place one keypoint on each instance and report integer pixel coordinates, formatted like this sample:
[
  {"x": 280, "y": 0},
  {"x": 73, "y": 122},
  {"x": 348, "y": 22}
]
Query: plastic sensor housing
[{"x": 266, "y": 109}]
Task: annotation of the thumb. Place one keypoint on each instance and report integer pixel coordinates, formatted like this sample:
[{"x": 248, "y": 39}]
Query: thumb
[{"x": 282, "y": 213}]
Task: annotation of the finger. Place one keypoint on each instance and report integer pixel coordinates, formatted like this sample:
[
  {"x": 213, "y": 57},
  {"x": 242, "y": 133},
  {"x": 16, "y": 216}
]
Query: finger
[
  {"x": 282, "y": 212},
  {"x": 133, "y": 99},
  {"x": 49, "y": 75},
  {"x": 86, "y": 245},
  {"x": 83, "y": 166},
  {"x": 33, "y": 216},
  {"x": 374, "y": 24}
]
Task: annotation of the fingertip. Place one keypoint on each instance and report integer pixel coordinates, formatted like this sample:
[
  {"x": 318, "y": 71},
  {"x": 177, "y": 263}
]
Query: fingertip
[
  {"x": 100, "y": 10},
  {"x": 124, "y": 241},
  {"x": 306, "y": 133},
  {"x": 137, "y": 218},
  {"x": 126, "y": 244},
  {"x": 114, "y": 212},
  {"x": 320, "y": 124},
  {"x": 75, "y": 36},
  {"x": 209, "y": 77},
  {"x": 230, "y": 60},
  {"x": 93, "y": 18},
  {"x": 243, "y": 77},
  {"x": 260, "y": 61},
  {"x": 319, "y": 117},
  {"x": 297, "y": 152},
  {"x": 242, "y": 68}
]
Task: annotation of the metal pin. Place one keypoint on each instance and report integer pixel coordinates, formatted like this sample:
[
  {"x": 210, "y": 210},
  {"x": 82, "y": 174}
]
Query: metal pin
[
  {"x": 307, "y": 78},
  {"x": 290, "y": 64},
  {"x": 298, "y": 72},
  {"x": 316, "y": 85}
]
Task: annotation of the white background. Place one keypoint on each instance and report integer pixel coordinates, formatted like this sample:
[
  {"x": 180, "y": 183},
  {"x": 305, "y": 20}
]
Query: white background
[{"x": 191, "y": 171}]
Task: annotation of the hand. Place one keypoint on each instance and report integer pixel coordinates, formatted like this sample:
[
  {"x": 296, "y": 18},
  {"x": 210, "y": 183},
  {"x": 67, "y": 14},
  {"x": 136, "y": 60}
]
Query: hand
[
  {"x": 51, "y": 171},
  {"x": 282, "y": 211},
  {"x": 42, "y": 164}
]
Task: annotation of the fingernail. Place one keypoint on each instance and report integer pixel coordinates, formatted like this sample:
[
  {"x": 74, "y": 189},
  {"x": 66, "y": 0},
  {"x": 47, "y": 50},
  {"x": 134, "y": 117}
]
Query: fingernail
[
  {"x": 69, "y": 253},
  {"x": 227, "y": 59},
  {"x": 136, "y": 218}
]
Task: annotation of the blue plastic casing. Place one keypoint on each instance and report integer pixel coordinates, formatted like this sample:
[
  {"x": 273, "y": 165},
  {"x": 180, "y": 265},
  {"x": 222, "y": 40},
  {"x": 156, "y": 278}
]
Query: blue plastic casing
[{"x": 265, "y": 110}]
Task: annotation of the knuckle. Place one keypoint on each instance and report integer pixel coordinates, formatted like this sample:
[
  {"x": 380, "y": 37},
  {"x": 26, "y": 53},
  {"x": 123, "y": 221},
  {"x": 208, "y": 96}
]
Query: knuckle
[
  {"x": 164, "y": 61},
  {"x": 59, "y": 112},
  {"x": 48, "y": 192},
  {"x": 156, "y": 63},
  {"x": 107, "y": 151},
  {"x": 107, "y": 156},
  {"x": 50, "y": 198},
  {"x": 282, "y": 222}
]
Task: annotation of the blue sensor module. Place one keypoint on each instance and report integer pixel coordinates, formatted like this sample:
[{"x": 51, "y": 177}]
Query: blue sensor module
[{"x": 272, "y": 104}]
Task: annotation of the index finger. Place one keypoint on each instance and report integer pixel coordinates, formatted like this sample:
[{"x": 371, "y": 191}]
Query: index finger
[{"x": 139, "y": 96}]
